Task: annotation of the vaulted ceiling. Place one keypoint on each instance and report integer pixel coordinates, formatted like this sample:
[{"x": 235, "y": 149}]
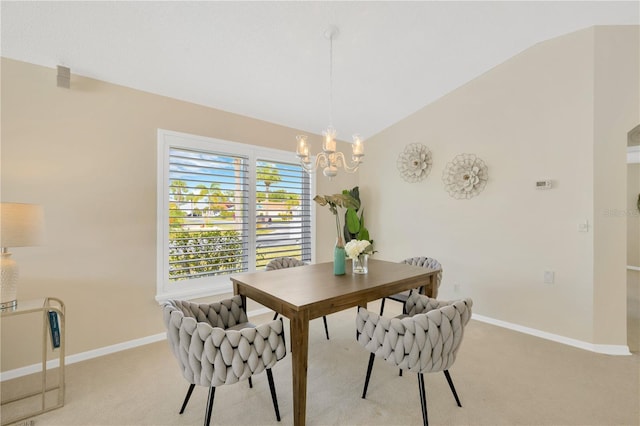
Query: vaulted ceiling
[{"x": 270, "y": 60}]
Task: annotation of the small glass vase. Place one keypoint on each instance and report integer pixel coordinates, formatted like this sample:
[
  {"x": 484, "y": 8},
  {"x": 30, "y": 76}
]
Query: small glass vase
[
  {"x": 339, "y": 257},
  {"x": 360, "y": 264}
]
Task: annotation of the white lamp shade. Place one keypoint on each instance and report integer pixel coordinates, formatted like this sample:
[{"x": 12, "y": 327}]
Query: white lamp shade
[{"x": 21, "y": 225}]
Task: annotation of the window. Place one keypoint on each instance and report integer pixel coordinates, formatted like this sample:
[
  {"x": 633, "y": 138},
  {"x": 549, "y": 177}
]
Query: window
[
  {"x": 283, "y": 209},
  {"x": 226, "y": 208}
]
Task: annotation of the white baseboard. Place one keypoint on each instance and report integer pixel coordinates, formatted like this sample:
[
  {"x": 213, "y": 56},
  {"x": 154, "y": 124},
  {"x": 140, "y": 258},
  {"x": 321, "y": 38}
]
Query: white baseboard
[
  {"x": 602, "y": 349},
  {"x": 83, "y": 356}
]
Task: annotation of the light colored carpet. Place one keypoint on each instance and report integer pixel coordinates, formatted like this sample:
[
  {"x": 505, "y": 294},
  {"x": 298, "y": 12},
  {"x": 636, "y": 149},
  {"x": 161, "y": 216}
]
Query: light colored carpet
[{"x": 502, "y": 377}]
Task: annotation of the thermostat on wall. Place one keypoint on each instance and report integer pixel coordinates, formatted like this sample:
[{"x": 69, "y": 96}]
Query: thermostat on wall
[{"x": 543, "y": 184}]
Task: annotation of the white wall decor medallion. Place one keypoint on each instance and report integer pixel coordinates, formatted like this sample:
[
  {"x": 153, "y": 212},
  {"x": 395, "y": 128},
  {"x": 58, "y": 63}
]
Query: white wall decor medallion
[
  {"x": 465, "y": 176},
  {"x": 414, "y": 163}
]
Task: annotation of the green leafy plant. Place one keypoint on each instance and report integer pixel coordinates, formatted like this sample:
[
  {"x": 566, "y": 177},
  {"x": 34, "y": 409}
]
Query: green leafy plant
[
  {"x": 354, "y": 228},
  {"x": 334, "y": 201},
  {"x": 202, "y": 253}
]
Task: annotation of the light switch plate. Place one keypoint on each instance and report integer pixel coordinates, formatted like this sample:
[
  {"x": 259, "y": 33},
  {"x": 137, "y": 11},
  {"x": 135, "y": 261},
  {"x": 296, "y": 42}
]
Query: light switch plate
[
  {"x": 549, "y": 277},
  {"x": 583, "y": 226}
]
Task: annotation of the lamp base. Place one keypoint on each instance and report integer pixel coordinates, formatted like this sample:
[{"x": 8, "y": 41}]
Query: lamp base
[
  {"x": 9, "y": 306},
  {"x": 8, "y": 282}
]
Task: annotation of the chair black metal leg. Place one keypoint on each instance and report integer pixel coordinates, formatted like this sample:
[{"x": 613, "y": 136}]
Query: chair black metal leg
[
  {"x": 382, "y": 306},
  {"x": 366, "y": 380},
  {"x": 453, "y": 389},
  {"x": 207, "y": 419},
  {"x": 326, "y": 329},
  {"x": 423, "y": 399},
  {"x": 250, "y": 383},
  {"x": 275, "y": 315},
  {"x": 274, "y": 398},
  {"x": 400, "y": 372},
  {"x": 186, "y": 398}
]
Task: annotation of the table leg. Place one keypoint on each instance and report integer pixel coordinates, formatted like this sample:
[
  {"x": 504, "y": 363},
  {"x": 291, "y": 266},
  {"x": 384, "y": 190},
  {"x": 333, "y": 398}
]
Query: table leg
[
  {"x": 430, "y": 289},
  {"x": 299, "y": 359},
  {"x": 434, "y": 287}
]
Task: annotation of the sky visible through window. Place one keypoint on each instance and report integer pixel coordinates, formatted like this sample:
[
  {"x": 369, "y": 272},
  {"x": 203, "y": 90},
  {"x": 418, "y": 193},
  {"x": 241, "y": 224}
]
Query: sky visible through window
[{"x": 207, "y": 168}]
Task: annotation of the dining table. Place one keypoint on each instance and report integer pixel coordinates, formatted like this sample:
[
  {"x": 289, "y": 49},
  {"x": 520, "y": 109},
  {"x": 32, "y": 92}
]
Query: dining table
[{"x": 307, "y": 292}]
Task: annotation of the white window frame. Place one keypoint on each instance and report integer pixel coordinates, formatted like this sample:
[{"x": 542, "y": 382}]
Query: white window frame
[{"x": 208, "y": 286}]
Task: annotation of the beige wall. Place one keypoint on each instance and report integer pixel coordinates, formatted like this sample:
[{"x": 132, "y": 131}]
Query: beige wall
[
  {"x": 633, "y": 256},
  {"x": 533, "y": 117},
  {"x": 616, "y": 112},
  {"x": 633, "y": 215},
  {"x": 88, "y": 155}
]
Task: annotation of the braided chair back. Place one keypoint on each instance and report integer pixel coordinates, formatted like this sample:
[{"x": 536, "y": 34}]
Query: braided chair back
[
  {"x": 425, "y": 341},
  {"x": 283, "y": 262},
  {"x": 427, "y": 262},
  {"x": 209, "y": 354}
]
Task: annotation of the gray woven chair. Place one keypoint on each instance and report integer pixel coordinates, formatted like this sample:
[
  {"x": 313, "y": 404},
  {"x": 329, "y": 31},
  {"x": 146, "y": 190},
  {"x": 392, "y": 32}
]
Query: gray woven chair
[
  {"x": 291, "y": 262},
  {"x": 425, "y": 262},
  {"x": 283, "y": 262},
  {"x": 425, "y": 340},
  {"x": 215, "y": 345}
]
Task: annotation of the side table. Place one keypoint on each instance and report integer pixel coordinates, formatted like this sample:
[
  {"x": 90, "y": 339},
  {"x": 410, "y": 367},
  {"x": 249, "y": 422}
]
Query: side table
[{"x": 42, "y": 306}]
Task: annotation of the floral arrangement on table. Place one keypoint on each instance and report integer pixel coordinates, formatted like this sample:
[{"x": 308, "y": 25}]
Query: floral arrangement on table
[
  {"x": 358, "y": 251},
  {"x": 356, "y": 248},
  {"x": 354, "y": 232},
  {"x": 334, "y": 201}
]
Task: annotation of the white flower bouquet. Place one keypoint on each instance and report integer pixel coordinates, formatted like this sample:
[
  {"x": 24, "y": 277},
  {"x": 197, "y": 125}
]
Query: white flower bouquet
[{"x": 355, "y": 248}]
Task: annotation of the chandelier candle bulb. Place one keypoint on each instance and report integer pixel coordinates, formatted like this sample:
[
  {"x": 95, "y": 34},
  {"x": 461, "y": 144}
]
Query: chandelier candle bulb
[
  {"x": 303, "y": 148},
  {"x": 329, "y": 145},
  {"x": 358, "y": 146}
]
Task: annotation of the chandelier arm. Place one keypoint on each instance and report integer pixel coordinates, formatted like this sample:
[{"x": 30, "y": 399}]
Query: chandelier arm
[
  {"x": 321, "y": 161},
  {"x": 349, "y": 167},
  {"x": 307, "y": 167}
]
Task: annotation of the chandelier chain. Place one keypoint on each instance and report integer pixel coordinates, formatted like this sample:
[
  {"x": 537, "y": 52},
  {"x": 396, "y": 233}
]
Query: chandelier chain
[{"x": 331, "y": 80}]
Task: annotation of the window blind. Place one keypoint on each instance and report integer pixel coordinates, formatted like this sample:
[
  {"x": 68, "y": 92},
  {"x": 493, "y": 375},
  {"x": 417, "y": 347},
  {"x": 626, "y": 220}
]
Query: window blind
[
  {"x": 283, "y": 212},
  {"x": 208, "y": 214}
]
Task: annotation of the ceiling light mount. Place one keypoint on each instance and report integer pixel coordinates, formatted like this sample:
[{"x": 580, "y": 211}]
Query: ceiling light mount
[{"x": 332, "y": 32}]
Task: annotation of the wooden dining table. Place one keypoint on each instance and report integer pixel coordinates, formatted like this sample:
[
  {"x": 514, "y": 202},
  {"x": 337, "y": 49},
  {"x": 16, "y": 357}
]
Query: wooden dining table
[{"x": 307, "y": 292}]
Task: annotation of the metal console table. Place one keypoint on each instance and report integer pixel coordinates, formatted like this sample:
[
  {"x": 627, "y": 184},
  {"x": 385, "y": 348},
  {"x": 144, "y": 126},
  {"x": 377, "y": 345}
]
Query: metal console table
[{"x": 42, "y": 306}]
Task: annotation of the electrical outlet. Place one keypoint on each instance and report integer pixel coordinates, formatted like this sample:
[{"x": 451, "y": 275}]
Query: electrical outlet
[{"x": 549, "y": 277}]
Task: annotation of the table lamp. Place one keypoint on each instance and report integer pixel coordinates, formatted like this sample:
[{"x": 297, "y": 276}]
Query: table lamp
[{"x": 21, "y": 225}]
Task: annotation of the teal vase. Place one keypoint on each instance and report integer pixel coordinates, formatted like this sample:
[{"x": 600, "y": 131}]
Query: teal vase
[{"x": 339, "y": 258}]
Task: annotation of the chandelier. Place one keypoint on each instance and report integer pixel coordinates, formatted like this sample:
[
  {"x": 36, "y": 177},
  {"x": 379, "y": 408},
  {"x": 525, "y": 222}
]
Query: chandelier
[{"x": 329, "y": 159}]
